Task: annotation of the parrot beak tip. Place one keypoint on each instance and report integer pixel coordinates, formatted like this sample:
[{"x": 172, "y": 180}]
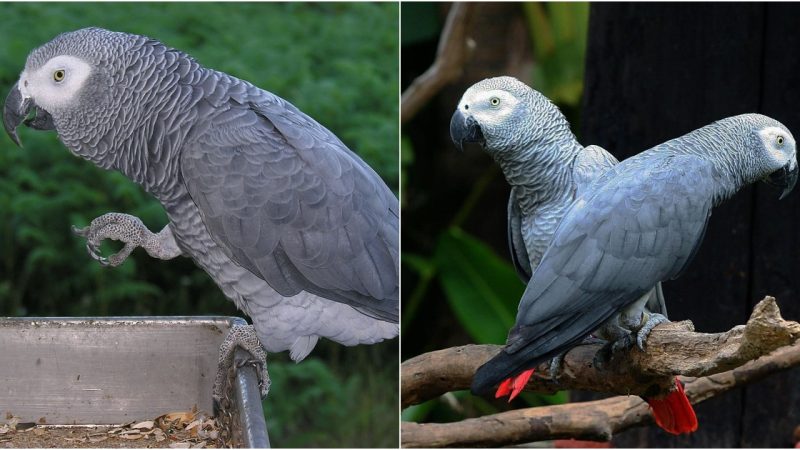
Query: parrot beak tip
[
  {"x": 785, "y": 178},
  {"x": 15, "y": 111},
  {"x": 464, "y": 129}
]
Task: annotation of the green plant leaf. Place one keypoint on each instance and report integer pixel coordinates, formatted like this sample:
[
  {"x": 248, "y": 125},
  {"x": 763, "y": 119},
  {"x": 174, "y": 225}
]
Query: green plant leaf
[
  {"x": 483, "y": 290},
  {"x": 420, "y": 264},
  {"x": 558, "y": 33}
]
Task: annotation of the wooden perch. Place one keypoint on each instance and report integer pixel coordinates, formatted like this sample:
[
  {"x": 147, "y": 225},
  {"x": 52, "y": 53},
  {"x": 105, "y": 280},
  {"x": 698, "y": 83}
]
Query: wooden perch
[
  {"x": 672, "y": 349},
  {"x": 451, "y": 55},
  {"x": 724, "y": 360},
  {"x": 597, "y": 420}
]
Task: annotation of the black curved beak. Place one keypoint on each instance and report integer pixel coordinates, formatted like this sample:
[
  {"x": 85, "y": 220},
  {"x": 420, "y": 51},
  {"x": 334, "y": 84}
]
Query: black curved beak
[
  {"x": 784, "y": 178},
  {"x": 464, "y": 129},
  {"x": 16, "y": 111}
]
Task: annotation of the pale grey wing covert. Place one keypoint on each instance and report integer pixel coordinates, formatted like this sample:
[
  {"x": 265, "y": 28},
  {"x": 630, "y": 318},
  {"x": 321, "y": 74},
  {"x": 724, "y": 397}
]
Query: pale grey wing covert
[
  {"x": 589, "y": 166},
  {"x": 289, "y": 202},
  {"x": 516, "y": 241},
  {"x": 640, "y": 224}
]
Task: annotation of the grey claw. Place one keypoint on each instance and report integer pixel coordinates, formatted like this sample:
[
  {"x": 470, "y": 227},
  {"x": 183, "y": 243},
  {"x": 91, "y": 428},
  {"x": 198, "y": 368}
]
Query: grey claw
[
  {"x": 653, "y": 320},
  {"x": 622, "y": 344},
  {"x": 640, "y": 342},
  {"x": 80, "y": 231},
  {"x": 608, "y": 351},
  {"x": 555, "y": 367}
]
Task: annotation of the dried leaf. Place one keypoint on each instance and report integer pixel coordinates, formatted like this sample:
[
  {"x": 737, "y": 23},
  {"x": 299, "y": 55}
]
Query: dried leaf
[
  {"x": 180, "y": 445},
  {"x": 193, "y": 424},
  {"x": 183, "y": 417},
  {"x": 145, "y": 424},
  {"x": 199, "y": 445},
  {"x": 96, "y": 439},
  {"x": 131, "y": 437},
  {"x": 39, "y": 431},
  {"x": 160, "y": 437}
]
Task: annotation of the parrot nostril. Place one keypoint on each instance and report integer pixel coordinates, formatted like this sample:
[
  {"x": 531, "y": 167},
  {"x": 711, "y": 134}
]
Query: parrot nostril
[
  {"x": 25, "y": 83},
  {"x": 466, "y": 106}
]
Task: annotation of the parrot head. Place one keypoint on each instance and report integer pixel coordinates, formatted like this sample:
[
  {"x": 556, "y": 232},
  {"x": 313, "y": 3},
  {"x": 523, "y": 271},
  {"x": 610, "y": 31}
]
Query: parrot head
[
  {"x": 780, "y": 156},
  {"x": 80, "y": 84},
  {"x": 503, "y": 114}
]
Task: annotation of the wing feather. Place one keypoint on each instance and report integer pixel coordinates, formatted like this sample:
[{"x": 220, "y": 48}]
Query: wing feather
[
  {"x": 639, "y": 225},
  {"x": 289, "y": 202}
]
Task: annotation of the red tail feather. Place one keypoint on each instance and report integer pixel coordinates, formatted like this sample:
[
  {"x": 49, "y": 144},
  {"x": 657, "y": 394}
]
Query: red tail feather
[
  {"x": 504, "y": 388},
  {"x": 513, "y": 385},
  {"x": 519, "y": 383},
  {"x": 673, "y": 413}
]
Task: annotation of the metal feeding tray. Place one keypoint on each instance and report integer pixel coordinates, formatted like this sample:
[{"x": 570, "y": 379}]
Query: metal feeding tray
[{"x": 115, "y": 370}]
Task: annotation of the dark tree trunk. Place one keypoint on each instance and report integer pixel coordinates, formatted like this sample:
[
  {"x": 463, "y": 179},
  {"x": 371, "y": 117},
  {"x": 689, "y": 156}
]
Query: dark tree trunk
[{"x": 657, "y": 71}]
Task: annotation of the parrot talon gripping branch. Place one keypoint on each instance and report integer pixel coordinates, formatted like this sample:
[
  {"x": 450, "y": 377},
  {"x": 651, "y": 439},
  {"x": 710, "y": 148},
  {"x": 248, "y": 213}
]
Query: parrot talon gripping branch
[{"x": 296, "y": 229}]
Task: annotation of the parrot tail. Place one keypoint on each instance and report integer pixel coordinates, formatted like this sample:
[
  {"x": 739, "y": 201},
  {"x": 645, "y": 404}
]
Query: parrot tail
[
  {"x": 513, "y": 385},
  {"x": 673, "y": 413}
]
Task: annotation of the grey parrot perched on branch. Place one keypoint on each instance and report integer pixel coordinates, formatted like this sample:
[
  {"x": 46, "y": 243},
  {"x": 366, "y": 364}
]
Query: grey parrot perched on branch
[
  {"x": 295, "y": 228},
  {"x": 639, "y": 224},
  {"x": 530, "y": 139}
]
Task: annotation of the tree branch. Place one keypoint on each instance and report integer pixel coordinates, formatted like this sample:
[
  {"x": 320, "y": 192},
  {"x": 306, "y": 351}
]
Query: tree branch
[
  {"x": 672, "y": 349},
  {"x": 597, "y": 420},
  {"x": 721, "y": 358},
  {"x": 451, "y": 55}
]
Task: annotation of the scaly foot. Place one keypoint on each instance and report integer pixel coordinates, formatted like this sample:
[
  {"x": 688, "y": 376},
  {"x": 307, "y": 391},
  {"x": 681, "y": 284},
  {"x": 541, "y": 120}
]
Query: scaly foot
[
  {"x": 243, "y": 336},
  {"x": 129, "y": 230},
  {"x": 608, "y": 351},
  {"x": 652, "y": 320}
]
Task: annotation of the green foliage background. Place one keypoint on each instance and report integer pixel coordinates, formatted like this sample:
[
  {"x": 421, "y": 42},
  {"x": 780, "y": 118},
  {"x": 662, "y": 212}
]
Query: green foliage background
[{"x": 337, "y": 62}]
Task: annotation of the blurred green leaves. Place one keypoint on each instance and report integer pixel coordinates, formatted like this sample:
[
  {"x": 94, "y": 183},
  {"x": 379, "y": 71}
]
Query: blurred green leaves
[
  {"x": 482, "y": 289},
  {"x": 558, "y": 32},
  {"x": 313, "y": 404}
]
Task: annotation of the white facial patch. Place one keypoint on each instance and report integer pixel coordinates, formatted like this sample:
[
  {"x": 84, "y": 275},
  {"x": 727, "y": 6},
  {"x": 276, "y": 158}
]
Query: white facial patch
[
  {"x": 488, "y": 107},
  {"x": 780, "y": 145},
  {"x": 55, "y": 84}
]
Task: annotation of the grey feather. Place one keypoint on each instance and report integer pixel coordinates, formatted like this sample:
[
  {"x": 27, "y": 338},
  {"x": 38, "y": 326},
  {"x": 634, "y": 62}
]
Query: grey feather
[{"x": 639, "y": 224}]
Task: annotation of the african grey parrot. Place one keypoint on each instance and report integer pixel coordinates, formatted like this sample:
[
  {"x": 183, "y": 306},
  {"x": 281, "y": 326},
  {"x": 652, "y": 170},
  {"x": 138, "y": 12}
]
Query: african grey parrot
[
  {"x": 547, "y": 168},
  {"x": 295, "y": 228},
  {"x": 640, "y": 223}
]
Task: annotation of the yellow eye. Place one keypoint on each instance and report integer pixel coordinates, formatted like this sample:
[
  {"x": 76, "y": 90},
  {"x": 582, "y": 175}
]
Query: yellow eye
[
  {"x": 494, "y": 101},
  {"x": 780, "y": 140},
  {"x": 59, "y": 74}
]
